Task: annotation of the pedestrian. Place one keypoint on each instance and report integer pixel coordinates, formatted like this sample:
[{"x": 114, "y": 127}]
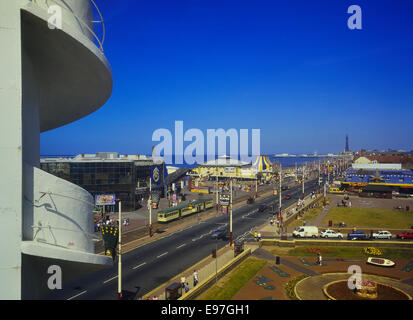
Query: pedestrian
[
  {"x": 320, "y": 259},
  {"x": 186, "y": 287},
  {"x": 195, "y": 278},
  {"x": 155, "y": 298},
  {"x": 259, "y": 236},
  {"x": 255, "y": 235},
  {"x": 271, "y": 221},
  {"x": 183, "y": 279},
  {"x": 304, "y": 223}
]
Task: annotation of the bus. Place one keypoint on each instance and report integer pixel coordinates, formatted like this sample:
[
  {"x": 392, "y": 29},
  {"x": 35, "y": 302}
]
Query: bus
[{"x": 184, "y": 210}]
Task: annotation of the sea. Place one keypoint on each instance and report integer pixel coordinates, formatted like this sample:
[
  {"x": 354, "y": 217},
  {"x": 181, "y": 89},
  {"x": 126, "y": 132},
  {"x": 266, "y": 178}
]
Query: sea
[{"x": 286, "y": 162}]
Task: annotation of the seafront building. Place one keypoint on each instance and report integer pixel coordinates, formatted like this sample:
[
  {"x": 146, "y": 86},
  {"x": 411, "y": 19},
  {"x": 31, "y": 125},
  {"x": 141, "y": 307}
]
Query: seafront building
[
  {"x": 226, "y": 167},
  {"x": 126, "y": 176},
  {"x": 51, "y": 76}
]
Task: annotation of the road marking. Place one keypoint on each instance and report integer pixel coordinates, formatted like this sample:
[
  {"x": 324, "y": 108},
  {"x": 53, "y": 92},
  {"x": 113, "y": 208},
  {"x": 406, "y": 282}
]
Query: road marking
[
  {"x": 181, "y": 246},
  {"x": 139, "y": 265},
  {"x": 110, "y": 279},
  {"x": 162, "y": 255},
  {"x": 77, "y": 295}
]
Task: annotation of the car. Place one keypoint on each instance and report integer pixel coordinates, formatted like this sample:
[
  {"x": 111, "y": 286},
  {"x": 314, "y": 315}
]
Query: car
[
  {"x": 284, "y": 188},
  {"x": 381, "y": 235},
  {"x": 250, "y": 200},
  {"x": 287, "y": 197},
  {"x": 357, "y": 235},
  {"x": 220, "y": 233},
  {"x": 405, "y": 235},
  {"x": 262, "y": 207},
  {"x": 331, "y": 234}
]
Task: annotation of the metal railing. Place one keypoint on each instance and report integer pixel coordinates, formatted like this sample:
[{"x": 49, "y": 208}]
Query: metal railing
[{"x": 82, "y": 22}]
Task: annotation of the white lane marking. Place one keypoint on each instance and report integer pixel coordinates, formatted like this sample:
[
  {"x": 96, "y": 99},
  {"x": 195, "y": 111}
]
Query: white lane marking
[
  {"x": 110, "y": 279},
  {"x": 77, "y": 295},
  {"x": 139, "y": 266},
  {"x": 182, "y": 245},
  {"x": 162, "y": 254}
]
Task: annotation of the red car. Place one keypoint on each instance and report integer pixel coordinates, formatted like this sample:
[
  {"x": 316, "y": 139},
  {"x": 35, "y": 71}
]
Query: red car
[
  {"x": 405, "y": 235},
  {"x": 288, "y": 196}
]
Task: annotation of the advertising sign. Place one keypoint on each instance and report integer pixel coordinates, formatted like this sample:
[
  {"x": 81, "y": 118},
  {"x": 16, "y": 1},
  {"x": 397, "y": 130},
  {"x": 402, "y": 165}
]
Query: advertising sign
[
  {"x": 156, "y": 175},
  {"x": 105, "y": 199},
  {"x": 224, "y": 199}
]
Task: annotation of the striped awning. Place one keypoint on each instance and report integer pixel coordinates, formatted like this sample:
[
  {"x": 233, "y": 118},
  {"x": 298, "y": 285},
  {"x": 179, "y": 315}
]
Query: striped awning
[{"x": 262, "y": 164}]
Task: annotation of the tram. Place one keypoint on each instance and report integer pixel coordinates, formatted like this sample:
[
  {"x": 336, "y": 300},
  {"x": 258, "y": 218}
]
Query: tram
[{"x": 184, "y": 210}]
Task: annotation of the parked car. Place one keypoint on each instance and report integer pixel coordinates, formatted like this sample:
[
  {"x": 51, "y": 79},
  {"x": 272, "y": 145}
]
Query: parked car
[
  {"x": 331, "y": 234},
  {"x": 357, "y": 235},
  {"x": 381, "y": 235},
  {"x": 306, "y": 232},
  {"x": 405, "y": 235},
  {"x": 220, "y": 233}
]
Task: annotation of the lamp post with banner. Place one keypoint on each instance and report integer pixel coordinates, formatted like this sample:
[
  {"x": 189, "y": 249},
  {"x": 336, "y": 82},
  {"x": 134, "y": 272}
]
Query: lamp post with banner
[
  {"x": 150, "y": 206},
  {"x": 120, "y": 251}
]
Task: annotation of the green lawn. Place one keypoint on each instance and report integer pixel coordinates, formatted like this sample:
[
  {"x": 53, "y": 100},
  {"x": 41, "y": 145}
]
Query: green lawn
[
  {"x": 346, "y": 252},
  {"x": 308, "y": 216},
  {"x": 371, "y": 217},
  {"x": 236, "y": 279}
]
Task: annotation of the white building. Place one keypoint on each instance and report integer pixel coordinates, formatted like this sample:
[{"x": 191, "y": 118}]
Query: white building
[{"x": 49, "y": 78}]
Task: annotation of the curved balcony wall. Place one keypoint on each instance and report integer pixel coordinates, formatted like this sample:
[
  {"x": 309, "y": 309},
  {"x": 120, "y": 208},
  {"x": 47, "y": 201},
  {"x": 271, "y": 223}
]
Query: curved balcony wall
[
  {"x": 56, "y": 212},
  {"x": 76, "y": 13},
  {"x": 73, "y": 77}
]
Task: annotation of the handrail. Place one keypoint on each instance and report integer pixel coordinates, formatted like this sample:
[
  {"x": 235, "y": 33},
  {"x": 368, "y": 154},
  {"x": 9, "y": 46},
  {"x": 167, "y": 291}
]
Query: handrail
[{"x": 83, "y": 22}]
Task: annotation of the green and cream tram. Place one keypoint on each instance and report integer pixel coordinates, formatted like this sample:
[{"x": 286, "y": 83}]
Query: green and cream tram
[{"x": 184, "y": 210}]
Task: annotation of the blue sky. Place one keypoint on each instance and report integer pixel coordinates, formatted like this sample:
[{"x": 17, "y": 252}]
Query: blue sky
[{"x": 292, "y": 69}]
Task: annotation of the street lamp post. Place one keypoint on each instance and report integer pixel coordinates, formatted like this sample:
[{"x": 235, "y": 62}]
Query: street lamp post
[
  {"x": 230, "y": 214},
  {"x": 302, "y": 180},
  {"x": 280, "y": 196},
  {"x": 150, "y": 207},
  {"x": 120, "y": 251}
]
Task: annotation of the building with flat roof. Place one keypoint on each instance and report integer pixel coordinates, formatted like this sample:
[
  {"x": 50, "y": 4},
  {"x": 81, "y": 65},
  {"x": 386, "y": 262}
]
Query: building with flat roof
[
  {"x": 127, "y": 176},
  {"x": 225, "y": 167}
]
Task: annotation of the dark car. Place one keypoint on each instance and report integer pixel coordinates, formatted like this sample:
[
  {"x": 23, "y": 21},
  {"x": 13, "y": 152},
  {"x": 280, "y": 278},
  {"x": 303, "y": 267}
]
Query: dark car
[
  {"x": 262, "y": 208},
  {"x": 250, "y": 200},
  {"x": 220, "y": 233},
  {"x": 357, "y": 235},
  {"x": 284, "y": 188},
  {"x": 405, "y": 235},
  {"x": 287, "y": 197}
]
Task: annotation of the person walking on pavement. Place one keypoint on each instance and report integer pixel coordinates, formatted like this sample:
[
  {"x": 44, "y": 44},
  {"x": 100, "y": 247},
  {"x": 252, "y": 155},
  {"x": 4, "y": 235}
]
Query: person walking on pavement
[
  {"x": 255, "y": 235},
  {"x": 186, "y": 287},
  {"x": 195, "y": 278},
  {"x": 183, "y": 282},
  {"x": 259, "y": 236}
]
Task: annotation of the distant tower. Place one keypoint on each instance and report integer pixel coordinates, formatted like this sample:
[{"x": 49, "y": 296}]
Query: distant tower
[{"x": 347, "y": 148}]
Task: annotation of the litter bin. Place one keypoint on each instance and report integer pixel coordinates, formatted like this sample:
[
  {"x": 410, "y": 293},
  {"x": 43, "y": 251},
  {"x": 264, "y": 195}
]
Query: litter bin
[
  {"x": 330, "y": 223},
  {"x": 277, "y": 260}
]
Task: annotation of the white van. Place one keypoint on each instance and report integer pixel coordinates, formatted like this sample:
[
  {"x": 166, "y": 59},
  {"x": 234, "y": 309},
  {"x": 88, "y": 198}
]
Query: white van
[{"x": 306, "y": 232}]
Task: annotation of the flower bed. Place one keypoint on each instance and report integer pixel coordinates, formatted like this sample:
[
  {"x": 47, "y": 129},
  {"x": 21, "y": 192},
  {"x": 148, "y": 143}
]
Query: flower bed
[{"x": 371, "y": 251}]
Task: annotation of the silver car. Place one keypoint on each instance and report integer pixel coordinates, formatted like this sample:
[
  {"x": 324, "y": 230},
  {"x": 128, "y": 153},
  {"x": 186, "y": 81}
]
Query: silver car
[{"x": 331, "y": 234}]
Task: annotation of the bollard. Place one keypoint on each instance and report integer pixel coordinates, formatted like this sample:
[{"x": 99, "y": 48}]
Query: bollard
[{"x": 277, "y": 260}]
